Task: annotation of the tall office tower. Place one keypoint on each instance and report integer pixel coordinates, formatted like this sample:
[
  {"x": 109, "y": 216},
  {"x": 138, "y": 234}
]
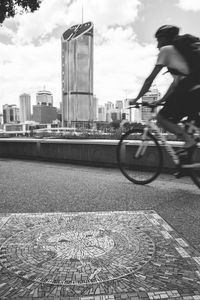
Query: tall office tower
[
  {"x": 10, "y": 113},
  {"x": 24, "y": 107},
  {"x": 44, "y": 98},
  {"x": 77, "y": 74},
  {"x": 151, "y": 95}
]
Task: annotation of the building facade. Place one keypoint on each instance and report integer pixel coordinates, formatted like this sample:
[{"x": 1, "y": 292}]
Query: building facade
[
  {"x": 119, "y": 105},
  {"x": 24, "y": 107},
  {"x": 77, "y": 74},
  {"x": 95, "y": 108},
  {"x": 151, "y": 95},
  {"x": 43, "y": 111},
  {"x": 44, "y": 98},
  {"x": 10, "y": 113},
  {"x": 101, "y": 113},
  {"x": 44, "y": 114},
  {"x": 115, "y": 115}
]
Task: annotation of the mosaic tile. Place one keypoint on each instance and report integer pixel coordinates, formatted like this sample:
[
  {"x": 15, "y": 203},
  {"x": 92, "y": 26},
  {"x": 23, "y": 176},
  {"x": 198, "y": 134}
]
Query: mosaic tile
[{"x": 95, "y": 256}]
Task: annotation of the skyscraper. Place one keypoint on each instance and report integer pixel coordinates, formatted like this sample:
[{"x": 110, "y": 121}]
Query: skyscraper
[
  {"x": 44, "y": 98},
  {"x": 10, "y": 113},
  {"x": 77, "y": 74},
  {"x": 24, "y": 107},
  {"x": 44, "y": 112}
]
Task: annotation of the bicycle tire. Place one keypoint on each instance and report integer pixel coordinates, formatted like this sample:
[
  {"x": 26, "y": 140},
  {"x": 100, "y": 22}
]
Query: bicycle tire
[
  {"x": 141, "y": 170},
  {"x": 195, "y": 172}
]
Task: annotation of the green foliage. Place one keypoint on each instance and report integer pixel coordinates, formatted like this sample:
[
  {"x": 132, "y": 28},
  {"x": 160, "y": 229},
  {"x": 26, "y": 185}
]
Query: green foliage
[
  {"x": 9, "y": 8},
  {"x": 136, "y": 125},
  {"x": 115, "y": 124}
]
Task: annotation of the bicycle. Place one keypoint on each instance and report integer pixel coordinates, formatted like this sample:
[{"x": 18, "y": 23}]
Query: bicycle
[{"x": 140, "y": 152}]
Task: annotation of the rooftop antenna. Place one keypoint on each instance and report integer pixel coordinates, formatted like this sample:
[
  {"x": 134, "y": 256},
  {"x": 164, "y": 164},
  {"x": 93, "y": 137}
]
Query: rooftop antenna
[{"x": 82, "y": 11}]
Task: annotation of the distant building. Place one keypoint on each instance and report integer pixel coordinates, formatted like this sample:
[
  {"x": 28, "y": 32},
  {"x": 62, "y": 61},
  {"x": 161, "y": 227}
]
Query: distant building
[
  {"x": 119, "y": 104},
  {"x": 95, "y": 108},
  {"x": 59, "y": 113},
  {"x": 44, "y": 98},
  {"x": 77, "y": 74},
  {"x": 1, "y": 118},
  {"x": 10, "y": 113},
  {"x": 44, "y": 114},
  {"x": 151, "y": 95},
  {"x": 24, "y": 107},
  {"x": 109, "y": 105},
  {"x": 115, "y": 115},
  {"x": 101, "y": 113}
]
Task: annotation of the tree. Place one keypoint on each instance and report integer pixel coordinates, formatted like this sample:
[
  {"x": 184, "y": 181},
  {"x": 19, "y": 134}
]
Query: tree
[
  {"x": 9, "y": 8},
  {"x": 115, "y": 124}
]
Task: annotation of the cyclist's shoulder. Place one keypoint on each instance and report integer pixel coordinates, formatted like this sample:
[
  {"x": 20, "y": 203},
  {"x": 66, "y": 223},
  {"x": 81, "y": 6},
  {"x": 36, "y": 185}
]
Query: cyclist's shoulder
[
  {"x": 167, "y": 49},
  {"x": 164, "y": 54}
]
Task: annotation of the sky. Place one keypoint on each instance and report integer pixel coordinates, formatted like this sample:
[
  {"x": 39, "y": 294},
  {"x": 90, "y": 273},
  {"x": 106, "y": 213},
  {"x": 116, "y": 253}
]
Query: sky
[{"x": 124, "y": 45}]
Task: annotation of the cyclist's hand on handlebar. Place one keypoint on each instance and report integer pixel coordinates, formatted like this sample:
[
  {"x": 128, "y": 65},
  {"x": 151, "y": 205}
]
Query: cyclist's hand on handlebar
[
  {"x": 153, "y": 104},
  {"x": 132, "y": 101}
]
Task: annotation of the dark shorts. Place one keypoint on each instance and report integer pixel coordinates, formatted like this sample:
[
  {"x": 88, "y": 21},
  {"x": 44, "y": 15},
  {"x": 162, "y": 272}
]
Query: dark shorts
[{"x": 183, "y": 102}]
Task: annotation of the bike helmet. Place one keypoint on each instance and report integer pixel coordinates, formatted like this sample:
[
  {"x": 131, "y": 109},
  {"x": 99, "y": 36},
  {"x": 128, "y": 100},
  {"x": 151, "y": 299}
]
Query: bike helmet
[{"x": 167, "y": 31}]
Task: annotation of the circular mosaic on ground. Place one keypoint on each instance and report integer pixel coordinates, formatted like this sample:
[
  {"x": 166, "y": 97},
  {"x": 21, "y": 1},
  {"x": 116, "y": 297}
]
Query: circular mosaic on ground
[{"x": 75, "y": 250}]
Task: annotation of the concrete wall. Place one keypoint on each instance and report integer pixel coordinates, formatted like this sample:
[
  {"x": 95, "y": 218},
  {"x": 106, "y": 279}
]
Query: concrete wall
[
  {"x": 94, "y": 152},
  {"x": 91, "y": 152}
]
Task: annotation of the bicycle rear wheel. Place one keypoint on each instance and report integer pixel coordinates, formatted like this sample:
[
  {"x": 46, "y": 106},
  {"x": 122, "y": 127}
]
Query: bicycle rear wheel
[
  {"x": 139, "y": 158},
  {"x": 195, "y": 170}
]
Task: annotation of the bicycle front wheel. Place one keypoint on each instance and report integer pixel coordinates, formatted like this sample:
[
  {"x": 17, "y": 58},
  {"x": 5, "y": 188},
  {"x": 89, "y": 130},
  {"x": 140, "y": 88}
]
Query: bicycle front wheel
[
  {"x": 195, "y": 170},
  {"x": 139, "y": 156}
]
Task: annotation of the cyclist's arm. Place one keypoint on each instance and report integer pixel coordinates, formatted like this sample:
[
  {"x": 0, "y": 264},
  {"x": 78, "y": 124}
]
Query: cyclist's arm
[
  {"x": 168, "y": 93},
  {"x": 148, "y": 82}
]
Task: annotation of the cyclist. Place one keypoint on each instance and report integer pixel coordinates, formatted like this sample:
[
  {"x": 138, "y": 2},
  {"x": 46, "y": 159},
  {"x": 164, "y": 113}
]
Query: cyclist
[{"x": 183, "y": 96}]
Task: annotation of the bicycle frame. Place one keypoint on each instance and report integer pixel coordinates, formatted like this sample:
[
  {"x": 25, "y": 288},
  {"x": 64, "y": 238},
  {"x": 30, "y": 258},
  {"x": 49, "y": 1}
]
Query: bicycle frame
[
  {"x": 142, "y": 168},
  {"x": 150, "y": 126}
]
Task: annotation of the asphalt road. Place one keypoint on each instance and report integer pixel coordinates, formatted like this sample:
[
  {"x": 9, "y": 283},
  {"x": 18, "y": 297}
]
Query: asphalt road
[{"x": 30, "y": 186}]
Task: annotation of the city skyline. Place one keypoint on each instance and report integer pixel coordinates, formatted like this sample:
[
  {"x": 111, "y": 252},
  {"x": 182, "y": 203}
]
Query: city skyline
[
  {"x": 45, "y": 113},
  {"x": 124, "y": 45}
]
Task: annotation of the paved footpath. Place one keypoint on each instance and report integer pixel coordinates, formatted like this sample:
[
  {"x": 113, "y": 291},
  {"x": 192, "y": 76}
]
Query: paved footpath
[{"x": 76, "y": 232}]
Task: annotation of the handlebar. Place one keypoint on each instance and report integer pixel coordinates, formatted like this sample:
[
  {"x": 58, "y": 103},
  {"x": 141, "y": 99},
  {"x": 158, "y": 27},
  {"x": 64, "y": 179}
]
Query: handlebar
[
  {"x": 137, "y": 105},
  {"x": 147, "y": 104}
]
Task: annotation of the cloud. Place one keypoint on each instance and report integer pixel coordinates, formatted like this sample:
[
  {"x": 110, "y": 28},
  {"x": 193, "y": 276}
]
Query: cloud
[
  {"x": 104, "y": 13},
  {"x": 27, "y": 68},
  {"x": 193, "y": 5},
  {"x": 55, "y": 13},
  {"x": 120, "y": 62},
  {"x": 42, "y": 22}
]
